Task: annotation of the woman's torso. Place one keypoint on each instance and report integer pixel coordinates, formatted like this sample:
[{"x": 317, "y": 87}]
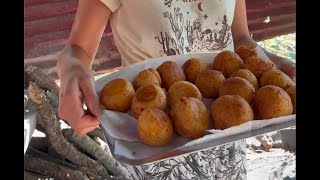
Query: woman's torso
[{"x": 145, "y": 29}]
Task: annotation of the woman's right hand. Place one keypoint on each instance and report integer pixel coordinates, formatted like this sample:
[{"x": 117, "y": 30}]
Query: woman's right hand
[
  {"x": 76, "y": 89},
  {"x": 74, "y": 64}
]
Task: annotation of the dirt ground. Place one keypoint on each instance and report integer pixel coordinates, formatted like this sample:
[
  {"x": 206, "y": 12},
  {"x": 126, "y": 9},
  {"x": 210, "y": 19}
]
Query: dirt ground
[{"x": 274, "y": 165}]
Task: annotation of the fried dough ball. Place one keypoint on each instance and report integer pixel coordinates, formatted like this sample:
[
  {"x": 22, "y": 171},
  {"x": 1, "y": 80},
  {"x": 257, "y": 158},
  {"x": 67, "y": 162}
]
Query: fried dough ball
[
  {"x": 116, "y": 95},
  {"x": 146, "y": 77},
  {"x": 193, "y": 67},
  {"x": 227, "y": 62},
  {"x": 149, "y": 96},
  {"x": 246, "y": 52},
  {"x": 209, "y": 82},
  {"x": 277, "y": 78},
  {"x": 182, "y": 89},
  {"x": 258, "y": 66},
  {"x": 247, "y": 75},
  {"x": 292, "y": 93},
  {"x": 236, "y": 85},
  {"x": 155, "y": 127},
  {"x": 271, "y": 102},
  {"x": 230, "y": 110},
  {"x": 190, "y": 117},
  {"x": 170, "y": 73}
]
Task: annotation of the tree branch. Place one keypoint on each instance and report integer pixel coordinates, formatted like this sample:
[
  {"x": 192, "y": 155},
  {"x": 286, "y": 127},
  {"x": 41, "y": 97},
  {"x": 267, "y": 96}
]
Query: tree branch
[
  {"x": 51, "y": 125},
  {"x": 44, "y": 81},
  {"x": 94, "y": 150},
  {"x": 41, "y": 166},
  {"x": 36, "y": 153}
]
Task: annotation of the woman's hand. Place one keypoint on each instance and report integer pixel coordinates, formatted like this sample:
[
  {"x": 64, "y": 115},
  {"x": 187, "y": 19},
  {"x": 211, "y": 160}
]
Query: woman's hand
[
  {"x": 283, "y": 64},
  {"x": 76, "y": 89},
  {"x": 289, "y": 68}
]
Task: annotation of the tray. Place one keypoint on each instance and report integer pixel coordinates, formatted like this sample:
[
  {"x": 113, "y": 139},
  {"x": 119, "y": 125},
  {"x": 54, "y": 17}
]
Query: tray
[{"x": 120, "y": 130}]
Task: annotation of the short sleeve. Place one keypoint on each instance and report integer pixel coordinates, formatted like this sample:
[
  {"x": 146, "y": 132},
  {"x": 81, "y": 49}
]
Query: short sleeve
[{"x": 113, "y": 5}]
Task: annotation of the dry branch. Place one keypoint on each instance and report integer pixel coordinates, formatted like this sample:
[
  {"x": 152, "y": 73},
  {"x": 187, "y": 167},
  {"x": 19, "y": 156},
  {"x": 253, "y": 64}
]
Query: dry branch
[
  {"x": 52, "y": 152},
  {"x": 40, "y": 143},
  {"x": 41, "y": 166},
  {"x": 97, "y": 133},
  {"x": 34, "y": 152},
  {"x": 94, "y": 150},
  {"x": 98, "y": 136},
  {"x": 103, "y": 145},
  {"x": 44, "y": 81},
  {"x": 28, "y": 175},
  {"x": 51, "y": 125},
  {"x": 53, "y": 99}
]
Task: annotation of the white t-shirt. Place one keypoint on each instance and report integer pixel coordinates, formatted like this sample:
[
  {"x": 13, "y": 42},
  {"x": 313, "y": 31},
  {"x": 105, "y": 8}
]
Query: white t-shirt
[{"x": 144, "y": 29}]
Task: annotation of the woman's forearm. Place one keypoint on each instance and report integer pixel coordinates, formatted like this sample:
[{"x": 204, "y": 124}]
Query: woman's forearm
[
  {"x": 75, "y": 53},
  {"x": 89, "y": 24},
  {"x": 279, "y": 61}
]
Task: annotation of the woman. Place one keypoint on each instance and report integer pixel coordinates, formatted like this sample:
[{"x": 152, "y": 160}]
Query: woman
[{"x": 146, "y": 29}]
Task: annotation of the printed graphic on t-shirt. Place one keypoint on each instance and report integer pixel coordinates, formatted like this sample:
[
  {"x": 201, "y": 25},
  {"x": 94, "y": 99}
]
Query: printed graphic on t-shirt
[
  {"x": 207, "y": 40},
  {"x": 188, "y": 35}
]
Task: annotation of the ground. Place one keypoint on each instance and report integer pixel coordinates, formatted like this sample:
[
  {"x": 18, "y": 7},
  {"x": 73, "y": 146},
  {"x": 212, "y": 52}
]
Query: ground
[
  {"x": 278, "y": 162},
  {"x": 274, "y": 165}
]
